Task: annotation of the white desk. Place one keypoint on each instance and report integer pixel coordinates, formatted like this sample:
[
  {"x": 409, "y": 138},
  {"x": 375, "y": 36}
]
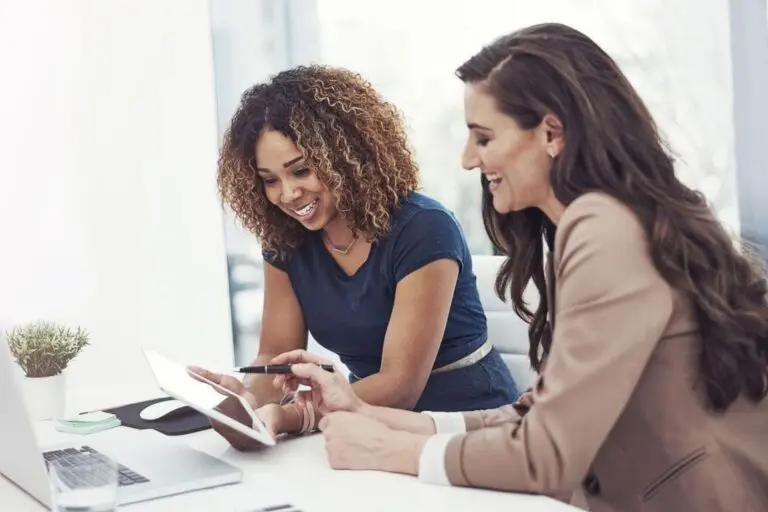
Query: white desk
[{"x": 297, "y": 471}]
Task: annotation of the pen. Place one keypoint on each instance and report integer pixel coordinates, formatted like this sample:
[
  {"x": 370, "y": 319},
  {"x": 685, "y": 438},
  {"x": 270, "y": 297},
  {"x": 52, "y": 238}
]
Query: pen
[{"x": 276, "y": 368}]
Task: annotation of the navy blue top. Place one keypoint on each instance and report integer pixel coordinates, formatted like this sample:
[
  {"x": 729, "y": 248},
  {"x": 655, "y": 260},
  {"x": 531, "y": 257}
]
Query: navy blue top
[{"x": 349, "y": 315}]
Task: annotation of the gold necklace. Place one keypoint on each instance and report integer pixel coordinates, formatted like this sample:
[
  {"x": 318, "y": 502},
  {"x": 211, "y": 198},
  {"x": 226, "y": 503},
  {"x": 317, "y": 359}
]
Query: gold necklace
[{"x": 333, "y": 248}]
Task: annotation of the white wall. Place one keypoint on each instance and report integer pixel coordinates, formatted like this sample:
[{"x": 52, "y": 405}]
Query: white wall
[{"x": 109, "y": 215}]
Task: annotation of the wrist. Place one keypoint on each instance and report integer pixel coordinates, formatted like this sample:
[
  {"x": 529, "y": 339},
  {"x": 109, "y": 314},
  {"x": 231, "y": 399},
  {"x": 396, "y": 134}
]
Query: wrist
[
  {"x": 250, "y": 387},
  {"x": 405, "y": 452},
  {"x": 365, "y": 409},
  {"x": 291, "y": 419}
]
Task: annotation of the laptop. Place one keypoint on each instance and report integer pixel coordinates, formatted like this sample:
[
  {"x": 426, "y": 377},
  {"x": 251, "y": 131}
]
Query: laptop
[{"x": 150, "y": 466}]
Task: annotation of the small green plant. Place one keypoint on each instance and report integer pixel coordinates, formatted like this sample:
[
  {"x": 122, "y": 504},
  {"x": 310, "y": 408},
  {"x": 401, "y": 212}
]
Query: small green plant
[{"x": 44, "y": 349}]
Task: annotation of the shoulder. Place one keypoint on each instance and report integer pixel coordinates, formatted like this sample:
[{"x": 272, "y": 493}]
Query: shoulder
[
  {"x": 424, "y": 231},
  {"x": 418, "y": 210},
  {"x": 598, "y": 218},
  {"x": 292, "y": 257},
  {"x": 599, "y": 205},
  {"x": 601, "y": 246}
]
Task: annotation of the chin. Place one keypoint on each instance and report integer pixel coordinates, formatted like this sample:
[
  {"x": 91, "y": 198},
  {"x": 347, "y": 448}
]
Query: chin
[
  {"x": 502, "y": 207},
  {"x": 313, "y": 227},
  {"x": 322, "y": 219},
  {"x": 315, "y": 224}
]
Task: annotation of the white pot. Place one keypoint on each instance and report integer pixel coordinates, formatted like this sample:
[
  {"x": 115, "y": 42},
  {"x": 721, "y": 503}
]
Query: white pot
[{"x": 45, "y": 396}]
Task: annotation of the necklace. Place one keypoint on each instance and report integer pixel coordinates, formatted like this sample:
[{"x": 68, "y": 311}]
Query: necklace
[{"x": 333, "y": 248}]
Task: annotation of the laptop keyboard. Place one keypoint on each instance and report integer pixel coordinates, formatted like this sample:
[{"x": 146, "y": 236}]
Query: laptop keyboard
[{"x": 85, "y": 467}]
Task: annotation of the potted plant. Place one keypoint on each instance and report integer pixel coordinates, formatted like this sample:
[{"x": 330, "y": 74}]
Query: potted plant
[{"x": 43, "y": 350}]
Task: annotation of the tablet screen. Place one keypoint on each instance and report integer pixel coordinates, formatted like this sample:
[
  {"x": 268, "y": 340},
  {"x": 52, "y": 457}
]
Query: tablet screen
[{"x": 174, "y": 379}]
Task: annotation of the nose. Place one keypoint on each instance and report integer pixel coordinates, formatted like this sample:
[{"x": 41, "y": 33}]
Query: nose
[
  {"x": 290, "y": 192},
  {"x": 469, "y": 158}
]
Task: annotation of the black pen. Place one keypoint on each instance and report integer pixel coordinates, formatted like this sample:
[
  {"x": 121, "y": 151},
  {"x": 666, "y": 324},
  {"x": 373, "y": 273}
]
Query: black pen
[{"x": 276, "y": 368}]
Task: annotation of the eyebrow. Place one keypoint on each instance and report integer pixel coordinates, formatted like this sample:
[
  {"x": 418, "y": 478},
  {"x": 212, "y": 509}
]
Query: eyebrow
[
  {"x": 475, "y": 126},
  {"x": 285, "y": 165}
]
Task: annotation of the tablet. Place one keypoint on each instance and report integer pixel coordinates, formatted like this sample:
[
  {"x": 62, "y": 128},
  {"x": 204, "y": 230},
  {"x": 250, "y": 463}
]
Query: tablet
[{"x": 174, "y": 379}]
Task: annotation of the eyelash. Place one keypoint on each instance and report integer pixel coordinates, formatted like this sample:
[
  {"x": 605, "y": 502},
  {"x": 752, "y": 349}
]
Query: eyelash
[
  {"x": 302, "y": 172},
  {"x": 482, "y": 142}
]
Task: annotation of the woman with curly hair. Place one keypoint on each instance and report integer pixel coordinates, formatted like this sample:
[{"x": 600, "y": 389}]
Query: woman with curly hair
[
  {"x": 317, "y": 166},
  {"x": 653, "y": 321}
]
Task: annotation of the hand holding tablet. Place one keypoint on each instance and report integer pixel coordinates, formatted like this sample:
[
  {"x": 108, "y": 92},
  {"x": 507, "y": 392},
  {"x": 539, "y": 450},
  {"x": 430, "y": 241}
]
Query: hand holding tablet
[{"x": 195, "y": 389}]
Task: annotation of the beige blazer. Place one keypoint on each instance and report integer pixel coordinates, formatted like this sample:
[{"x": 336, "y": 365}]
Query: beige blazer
[{"x": 616, "y": 409}]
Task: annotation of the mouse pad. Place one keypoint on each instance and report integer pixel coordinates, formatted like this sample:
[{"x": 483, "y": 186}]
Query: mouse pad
[{"x": 184, "y": 421}]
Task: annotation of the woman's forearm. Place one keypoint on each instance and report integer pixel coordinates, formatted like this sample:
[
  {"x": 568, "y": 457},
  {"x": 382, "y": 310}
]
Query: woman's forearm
[
  {"x": 387, "y": 390},
  {"x": 383, "y": 398},
  {"x": 398, "y": 419},
  {"x": 388, "y": 402}
]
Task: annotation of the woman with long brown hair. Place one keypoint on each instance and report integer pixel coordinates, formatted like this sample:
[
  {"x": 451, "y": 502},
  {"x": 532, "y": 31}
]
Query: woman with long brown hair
[{"x": 652, "y": 320}]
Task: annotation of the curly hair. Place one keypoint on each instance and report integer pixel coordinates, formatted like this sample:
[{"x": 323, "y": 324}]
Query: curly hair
[
  {"x": 351, "y": 138},
  {"x": 612, "y": 145}
]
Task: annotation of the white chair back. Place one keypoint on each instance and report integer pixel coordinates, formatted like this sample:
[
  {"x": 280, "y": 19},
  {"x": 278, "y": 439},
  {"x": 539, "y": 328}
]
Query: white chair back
[{"x": 507, "y": 332}]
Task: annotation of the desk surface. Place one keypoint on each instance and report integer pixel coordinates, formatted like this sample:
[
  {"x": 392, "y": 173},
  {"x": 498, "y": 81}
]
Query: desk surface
[{"x": 297, "y": 471}]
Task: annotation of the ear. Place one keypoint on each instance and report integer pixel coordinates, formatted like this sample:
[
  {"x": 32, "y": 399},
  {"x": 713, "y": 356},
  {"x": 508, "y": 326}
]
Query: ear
[{"x": 554, "y": 135}]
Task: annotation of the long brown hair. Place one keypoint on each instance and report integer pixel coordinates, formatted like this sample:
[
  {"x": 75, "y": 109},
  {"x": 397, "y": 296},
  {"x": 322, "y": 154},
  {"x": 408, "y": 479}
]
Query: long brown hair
[
  {"x": 351, "y": 137},
  {"x": 612, "y": 145}
]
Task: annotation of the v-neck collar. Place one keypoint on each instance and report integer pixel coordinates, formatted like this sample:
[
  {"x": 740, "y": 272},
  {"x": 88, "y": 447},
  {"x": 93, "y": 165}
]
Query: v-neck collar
[{"x": 326, "y": 255}]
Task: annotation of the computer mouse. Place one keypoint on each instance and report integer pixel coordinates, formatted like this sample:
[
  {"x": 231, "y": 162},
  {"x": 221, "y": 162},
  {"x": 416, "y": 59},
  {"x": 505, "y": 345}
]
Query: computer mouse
[{"x": 164, "y": 410}]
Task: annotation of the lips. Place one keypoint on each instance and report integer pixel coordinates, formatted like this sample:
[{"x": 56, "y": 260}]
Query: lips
[
  {"x": 493, "y": 181},
  {"x": 306, "y": 210}
]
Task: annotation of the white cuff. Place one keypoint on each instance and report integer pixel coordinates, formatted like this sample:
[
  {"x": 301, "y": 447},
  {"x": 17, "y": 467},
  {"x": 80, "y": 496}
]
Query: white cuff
[
  {"x": 432, "y": 460},
  {"x": 448, "y": 422}
]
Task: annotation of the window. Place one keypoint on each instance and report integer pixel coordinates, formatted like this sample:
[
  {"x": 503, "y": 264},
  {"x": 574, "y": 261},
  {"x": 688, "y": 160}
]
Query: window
[{"x": 677, "y": 57}]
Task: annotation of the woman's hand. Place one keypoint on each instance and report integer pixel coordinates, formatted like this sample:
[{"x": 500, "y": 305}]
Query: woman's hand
[
  {"x": 330, "y": 392},
  {"x": 272, "y": 415},
  {"x": 354, "y": 441}
]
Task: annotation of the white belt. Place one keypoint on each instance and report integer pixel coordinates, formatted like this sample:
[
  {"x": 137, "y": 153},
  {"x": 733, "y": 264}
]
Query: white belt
[{"x": 467, "y": 360}]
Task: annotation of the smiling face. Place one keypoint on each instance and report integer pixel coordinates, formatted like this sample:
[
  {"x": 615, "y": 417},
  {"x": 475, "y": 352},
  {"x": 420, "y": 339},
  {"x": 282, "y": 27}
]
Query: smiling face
[
  {"x": 290, "y": 184},
  {"x": 515, "y": 161}
]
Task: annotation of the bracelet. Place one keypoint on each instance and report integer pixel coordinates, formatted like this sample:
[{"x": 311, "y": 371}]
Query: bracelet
[
  {"x": 311, "y": 423},
  {"x": 309, "y": 418},
  {"x": 307, "y": 414},
  {"x": 300, "y": 413},
  {"x": 304, "y": 420}
]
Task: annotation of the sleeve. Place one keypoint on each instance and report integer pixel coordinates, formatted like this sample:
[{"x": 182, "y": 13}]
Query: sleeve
[
  {"x": 275, "y": 260},
  {"x": 612, "y": 307},
  {"x": 429, "y": 235},
  {"x": 475, "y": 420},
  {"x": 431, "y": 467},
  {"x": 458, "y": 422},
  {"x": 447, "y": 422}
]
